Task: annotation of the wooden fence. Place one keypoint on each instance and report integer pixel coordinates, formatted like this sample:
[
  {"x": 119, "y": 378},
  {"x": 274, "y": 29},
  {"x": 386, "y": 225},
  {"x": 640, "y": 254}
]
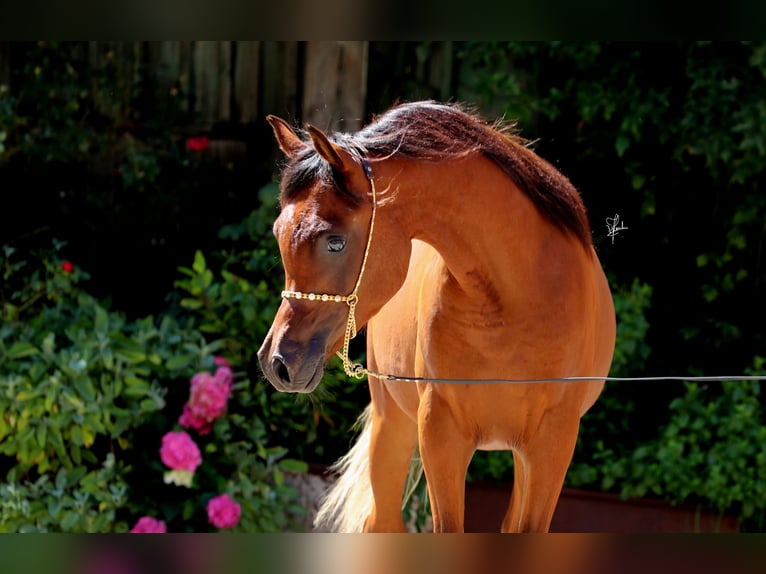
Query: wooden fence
[{"x": 237, "y": 82}]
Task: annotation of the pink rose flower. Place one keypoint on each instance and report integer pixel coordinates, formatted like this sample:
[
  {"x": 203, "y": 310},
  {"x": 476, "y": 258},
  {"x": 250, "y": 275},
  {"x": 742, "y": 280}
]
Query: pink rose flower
[
  {"x": 190, "y": 421},
  {"x": 208, "y": 397},
  {"x": 180, "y": 452},
  {"x": 149, "y": 525},
  {"x": 223, "y": 512}
]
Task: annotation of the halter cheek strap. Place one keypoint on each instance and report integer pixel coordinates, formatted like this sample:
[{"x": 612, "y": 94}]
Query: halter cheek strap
[{"x": 352, "y": 369}]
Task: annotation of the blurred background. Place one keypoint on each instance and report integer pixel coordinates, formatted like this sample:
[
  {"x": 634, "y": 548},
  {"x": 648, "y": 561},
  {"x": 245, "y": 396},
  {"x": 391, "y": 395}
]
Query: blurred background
[{"x": 139, "y": 184}]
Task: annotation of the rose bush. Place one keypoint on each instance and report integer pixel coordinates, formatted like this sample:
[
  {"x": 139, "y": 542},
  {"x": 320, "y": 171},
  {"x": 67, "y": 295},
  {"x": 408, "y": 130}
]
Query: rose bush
[{"x": 83, "y": 389}]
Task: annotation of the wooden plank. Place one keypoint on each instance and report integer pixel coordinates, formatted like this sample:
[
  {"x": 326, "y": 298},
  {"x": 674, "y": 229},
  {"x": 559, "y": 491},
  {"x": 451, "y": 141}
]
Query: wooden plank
[
  {"x": 212, "y": 82},
  {"x": 279, "y": 93},
  {"x": 170, "y": 63},
  {"x": 441, "y": 75},
  {"x": 246, "y": 81},
  {"x": 335, "y": 84},
  {"x": 165, "y": 58}
]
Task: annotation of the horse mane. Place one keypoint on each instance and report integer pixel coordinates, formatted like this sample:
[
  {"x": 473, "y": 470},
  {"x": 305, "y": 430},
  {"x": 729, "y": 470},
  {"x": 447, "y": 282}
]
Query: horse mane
[{"x": 435, "y": 132}]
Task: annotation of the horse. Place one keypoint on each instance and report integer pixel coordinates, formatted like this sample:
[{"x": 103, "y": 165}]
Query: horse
[{"x": 468, "y": 258}]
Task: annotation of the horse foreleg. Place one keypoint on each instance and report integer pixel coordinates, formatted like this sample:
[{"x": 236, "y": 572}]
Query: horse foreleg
[
  {"x": 516, "y": 507},
  {"x": 446, "y": 453},
  {"x": 392, "y": 444},
  {"x": 540, "y": 466}
]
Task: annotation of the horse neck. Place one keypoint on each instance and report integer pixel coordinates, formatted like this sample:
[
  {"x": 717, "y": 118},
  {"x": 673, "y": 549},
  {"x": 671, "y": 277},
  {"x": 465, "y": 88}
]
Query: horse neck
[{"x": 485, "y": 229}]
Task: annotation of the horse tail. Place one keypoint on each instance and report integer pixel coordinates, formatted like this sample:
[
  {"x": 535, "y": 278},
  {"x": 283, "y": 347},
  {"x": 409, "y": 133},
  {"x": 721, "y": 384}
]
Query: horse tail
[{"x": 348, "y": 502}]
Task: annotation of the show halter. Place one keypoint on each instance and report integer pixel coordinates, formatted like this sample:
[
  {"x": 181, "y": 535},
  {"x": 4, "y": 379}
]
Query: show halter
[{"x": 352, "y": 369}]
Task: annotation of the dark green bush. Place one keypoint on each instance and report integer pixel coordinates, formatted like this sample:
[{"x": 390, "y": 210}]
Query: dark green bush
[
  {"x": 671, "y": 137},
  {"x": 86, "y": 396}
]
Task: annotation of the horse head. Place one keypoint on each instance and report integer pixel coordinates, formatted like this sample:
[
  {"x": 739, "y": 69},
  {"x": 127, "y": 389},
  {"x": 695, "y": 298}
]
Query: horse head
[{"x": 323, "y": 232}]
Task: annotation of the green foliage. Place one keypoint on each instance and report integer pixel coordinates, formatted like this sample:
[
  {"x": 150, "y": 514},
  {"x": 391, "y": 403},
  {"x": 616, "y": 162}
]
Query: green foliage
[
  {"x": 670, "y": 136},
  {"x": 86, "y": 396},
  {"x": 631, "y": 350},
  {"x": 74, "y": 501},
  {"x": 711, "y": 452},
  {"x": 684, "y": 137},
  {"x": 230, "y": 306},
  {"x": 73, "y": 373},
  {"x": 75, "y": 380}
]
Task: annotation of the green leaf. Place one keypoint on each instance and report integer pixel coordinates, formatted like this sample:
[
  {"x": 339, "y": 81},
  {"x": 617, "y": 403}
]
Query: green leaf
[
  {"x": 76, "y": 435},
  {"x": 178, "y": 362},
  {"x": 76, "y": 453},
  {"x": 88, "y": 437},
  {"x": 26, "y": 395},
  {"x": 130, "y": 356},
  {"x": 199, "y": 262},
  {"x": 41, "y": 435},
  {"x": 108, "y": 358},
  {"x": 85, "y": 388},
  {"x": 101, "y": 323},
  {"x": 637, "y": 181},
  {"x": 293, "y": 465},
  {"x": 61, "y": 479},
  {"x": 621, "y": 144},
  {"x": 21, "y": 349},
  {"x": 70, "y": 519}
]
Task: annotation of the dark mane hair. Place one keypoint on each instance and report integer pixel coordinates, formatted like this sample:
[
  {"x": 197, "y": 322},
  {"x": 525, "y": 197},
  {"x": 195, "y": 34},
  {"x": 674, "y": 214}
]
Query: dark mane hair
[{"x": 430, "y": 131}]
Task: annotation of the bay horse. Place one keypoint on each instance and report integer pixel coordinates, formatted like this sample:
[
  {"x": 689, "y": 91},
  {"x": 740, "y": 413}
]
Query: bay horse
[{"x": 474, "y": 260}]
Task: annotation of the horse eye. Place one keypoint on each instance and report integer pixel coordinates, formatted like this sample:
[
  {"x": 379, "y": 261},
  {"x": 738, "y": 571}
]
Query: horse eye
[{"x": 335, "y": 244}]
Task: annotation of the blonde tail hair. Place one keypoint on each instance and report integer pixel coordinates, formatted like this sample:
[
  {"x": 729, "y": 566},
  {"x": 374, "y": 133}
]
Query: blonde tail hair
[{"x": 348, "y": 502}]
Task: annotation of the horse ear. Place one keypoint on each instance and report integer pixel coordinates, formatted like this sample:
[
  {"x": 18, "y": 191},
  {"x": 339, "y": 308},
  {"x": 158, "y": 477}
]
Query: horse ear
[
  {"x": 338, "y": 158},
  {"x": 288, "y": 142}
]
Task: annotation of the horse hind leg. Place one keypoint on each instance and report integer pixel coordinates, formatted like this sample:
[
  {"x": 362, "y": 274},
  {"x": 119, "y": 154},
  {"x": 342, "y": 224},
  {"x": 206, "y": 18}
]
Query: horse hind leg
[
  {"x": 392, "y": 443},
  {"x": 540, "y": 467}
]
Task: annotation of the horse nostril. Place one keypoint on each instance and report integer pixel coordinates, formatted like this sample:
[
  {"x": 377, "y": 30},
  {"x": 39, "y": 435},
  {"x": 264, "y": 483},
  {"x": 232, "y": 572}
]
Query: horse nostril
[{"x": 280, "y": 369}]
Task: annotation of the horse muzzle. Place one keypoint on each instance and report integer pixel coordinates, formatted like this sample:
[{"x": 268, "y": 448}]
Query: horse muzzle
[{"x": 291, "y": 367}]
